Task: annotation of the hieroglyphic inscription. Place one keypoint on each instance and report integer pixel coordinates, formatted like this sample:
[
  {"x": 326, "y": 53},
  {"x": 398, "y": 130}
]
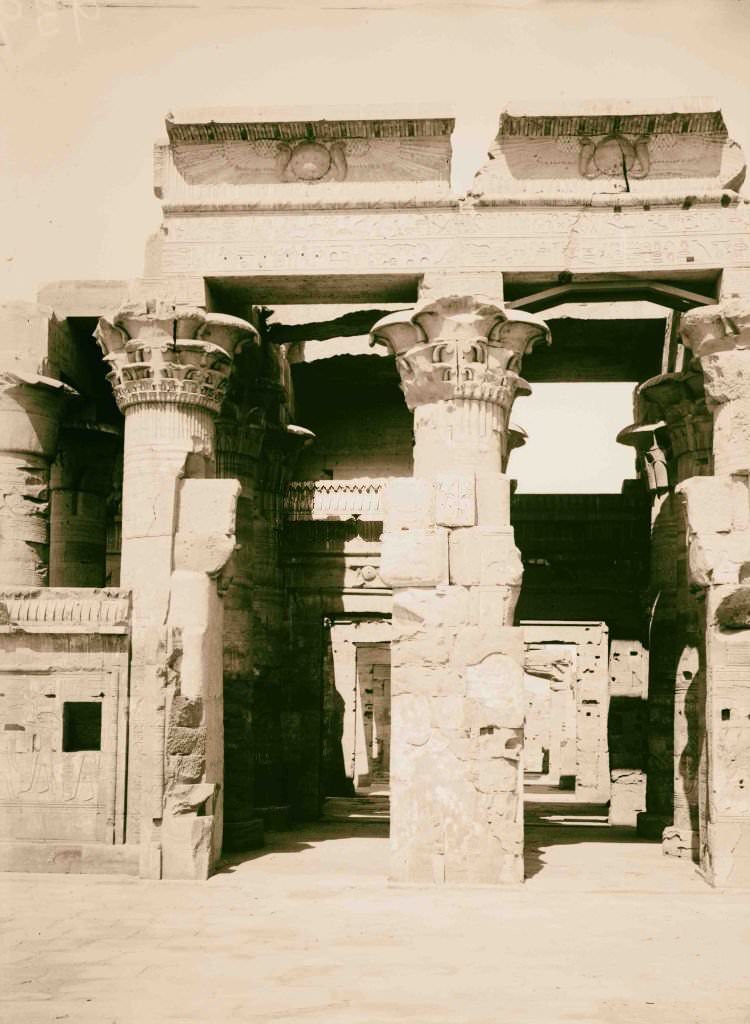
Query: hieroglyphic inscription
[{"x": 593, "y": 239}]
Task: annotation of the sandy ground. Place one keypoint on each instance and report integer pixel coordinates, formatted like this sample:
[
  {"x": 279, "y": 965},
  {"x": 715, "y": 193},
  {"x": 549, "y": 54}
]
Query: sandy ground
[{"x": 606, "y": 929}]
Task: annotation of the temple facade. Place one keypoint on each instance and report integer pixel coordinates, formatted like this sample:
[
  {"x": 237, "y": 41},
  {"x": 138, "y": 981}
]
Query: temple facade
[{"x": 260, "y": 545}]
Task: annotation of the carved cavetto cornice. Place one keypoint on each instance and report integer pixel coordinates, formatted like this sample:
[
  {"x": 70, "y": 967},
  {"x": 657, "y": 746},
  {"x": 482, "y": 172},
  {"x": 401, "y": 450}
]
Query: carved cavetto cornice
[
  {"x": 613, "y": 148},
  {"x": 460, "y": 347},
  {"x": 161, "y": 355},
  {"x": 214, "y": 126},
  {"x": 553, "y": 125},
  {"x": 64, "y": 610},
  {"x": 358, "y": 498},
  {"x": 223, "y": 159}
]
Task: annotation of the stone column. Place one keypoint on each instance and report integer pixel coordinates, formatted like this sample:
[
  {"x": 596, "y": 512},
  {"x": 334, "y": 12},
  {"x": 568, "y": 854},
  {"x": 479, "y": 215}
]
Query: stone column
[
  {"x": 718, "y": 529},
  {"x": 30, "y": 410},
  {"x": 114, "y": 525},
  {"x": 288, "y": 663},
  {"x": 674, "y": 440},
  {"x": 448, "y": 553},
  {"x": 681, "y": 401},
  {"x": 80, "y": 485},
  {"x": 239, "y": 440},
  {"x": 169, "y": 375}
]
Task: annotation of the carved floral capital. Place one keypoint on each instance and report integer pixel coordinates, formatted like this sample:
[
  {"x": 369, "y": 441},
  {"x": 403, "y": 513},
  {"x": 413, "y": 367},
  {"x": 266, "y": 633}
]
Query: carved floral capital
[
  {"x": 161, "y": 355},
  {"x": 460, "y": 347},
  {"x": 673, "y": 429}
]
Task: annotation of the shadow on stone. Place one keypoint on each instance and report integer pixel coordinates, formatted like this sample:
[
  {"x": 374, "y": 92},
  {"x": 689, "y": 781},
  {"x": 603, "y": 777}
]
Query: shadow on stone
[{"x": 558, "y": 824}]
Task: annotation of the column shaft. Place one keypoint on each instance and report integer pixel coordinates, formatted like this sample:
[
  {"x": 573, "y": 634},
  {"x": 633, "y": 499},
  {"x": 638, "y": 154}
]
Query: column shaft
[
  {"x": 169, "y": 374},
  {"x": 80, "y": 483},
  {"x": 457, "y": 690},
  {"x": 30, "y": 410},
  {"x": 673, "y": 437}
]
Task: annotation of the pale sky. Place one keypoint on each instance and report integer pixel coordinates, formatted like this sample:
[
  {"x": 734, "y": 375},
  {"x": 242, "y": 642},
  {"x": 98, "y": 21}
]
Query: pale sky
[{"x": 85, "y": 88}]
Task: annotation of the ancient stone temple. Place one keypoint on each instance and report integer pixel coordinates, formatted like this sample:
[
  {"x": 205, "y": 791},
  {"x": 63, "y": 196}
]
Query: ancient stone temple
[{"x": 260, "y": 545}]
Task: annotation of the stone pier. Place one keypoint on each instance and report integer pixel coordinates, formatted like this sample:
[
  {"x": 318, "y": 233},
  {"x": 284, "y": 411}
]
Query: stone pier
[
  {"x": 458, "y": 697},
  {"x": 673, "y": 439},
  {"x": 169, "y": 373},
  {"x": 717, "y": 510}
]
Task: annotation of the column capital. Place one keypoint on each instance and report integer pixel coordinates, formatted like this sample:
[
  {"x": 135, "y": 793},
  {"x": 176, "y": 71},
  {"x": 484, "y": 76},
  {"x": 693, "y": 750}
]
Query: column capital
[
  {"x": 460, "y": 347},
  {"x": 31, "y": 407},
  {"x": 673, "y": 427},
  {"x": 160, "y": 354},
  {"x": 650, "y": 444}
]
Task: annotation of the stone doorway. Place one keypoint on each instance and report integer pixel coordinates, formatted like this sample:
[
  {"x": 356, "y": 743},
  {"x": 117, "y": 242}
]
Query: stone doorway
[
  {"x": 566, "y": 681},
  {"x": 357, "y": 707},
  {"x": 372, "y": 712}
]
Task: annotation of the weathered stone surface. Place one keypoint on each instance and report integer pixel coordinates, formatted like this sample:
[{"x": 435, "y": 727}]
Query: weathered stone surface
[
  {"x": 493, "y": 500},
  {"x": 734, "y": 610},
  {"x": 415, "y": 558},
  {"x": 480, "y": 557},
  {"x": 458, "y": 698},
  {"x": 301, "y": 162},
  {"x": 169, "y": 373},
  {"x": 61, "y": 752},
  {"x": 719, "y": 337},
  {"x": 717, "y": 521},
  {"x": 545, "y": 150},
  {"x": 627, "y": 797},
  {"x": 455, "y": 500},
  {"x": 408, "y": 505}
]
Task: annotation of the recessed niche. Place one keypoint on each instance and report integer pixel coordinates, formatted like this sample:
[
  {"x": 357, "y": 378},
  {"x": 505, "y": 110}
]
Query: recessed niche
[{"x": 82, "y": 725}]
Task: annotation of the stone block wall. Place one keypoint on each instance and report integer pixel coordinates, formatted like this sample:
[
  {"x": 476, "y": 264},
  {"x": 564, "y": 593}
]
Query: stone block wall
[{"x": 63, "y": 725}]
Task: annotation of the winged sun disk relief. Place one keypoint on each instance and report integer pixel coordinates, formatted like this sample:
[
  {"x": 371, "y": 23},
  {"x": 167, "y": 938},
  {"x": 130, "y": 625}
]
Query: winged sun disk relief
[
  {"x": 634, "y": 157},
  {"x": 326, "y": 163}
]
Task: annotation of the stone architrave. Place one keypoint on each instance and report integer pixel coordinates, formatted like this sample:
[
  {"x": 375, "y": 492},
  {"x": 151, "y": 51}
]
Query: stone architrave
[
  {"x": 169, "y": 373},
  {"x": 448, "y": 552},
  {"x": 717, "y": 511}
]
